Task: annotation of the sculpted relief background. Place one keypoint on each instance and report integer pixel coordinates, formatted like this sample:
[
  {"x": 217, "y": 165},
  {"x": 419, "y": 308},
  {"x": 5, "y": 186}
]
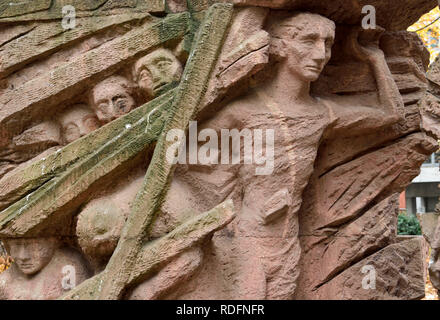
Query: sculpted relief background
[{"x": 118, "y": 173}]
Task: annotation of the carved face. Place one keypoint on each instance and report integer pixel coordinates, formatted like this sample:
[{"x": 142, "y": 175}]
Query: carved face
[
  {"x": 78, "y": 121},
  {"x": 307, "y": 48},
  {"x": 156, "y": 70},
  {"x": 32, "y": 254},
  {"x": 112, "y": 98},
  {"x": 98, "y": 229},
  {"x": 309, "y": 52}
]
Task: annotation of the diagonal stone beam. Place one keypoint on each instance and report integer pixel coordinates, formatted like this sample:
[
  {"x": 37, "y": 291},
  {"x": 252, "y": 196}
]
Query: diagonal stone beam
[
  {"x": 397, "y": 271},
  {"x": 45, "y": 39},
  {"x": 15, "y": 11},
  {"x": 16, "y": 7}
]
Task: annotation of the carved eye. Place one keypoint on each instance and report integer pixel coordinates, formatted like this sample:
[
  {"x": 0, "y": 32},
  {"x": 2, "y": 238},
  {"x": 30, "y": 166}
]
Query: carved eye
[
  {"x": 163, "y": 64},
  {"x": 71, "y": 131},
  {"x": 309, "y": 41},
  {"x": 121, "y": 103},
  {"x": 91, "y": 123},
  {"x": 103, "y": 107},
  {"x": 144, "y": 74}
]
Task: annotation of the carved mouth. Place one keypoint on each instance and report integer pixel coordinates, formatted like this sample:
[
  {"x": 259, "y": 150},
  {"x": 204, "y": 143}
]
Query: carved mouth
[
  {"x": 25, "y": 265},
  {"x": 313, "y": 68},
  {"x": 159, "y": 86}
]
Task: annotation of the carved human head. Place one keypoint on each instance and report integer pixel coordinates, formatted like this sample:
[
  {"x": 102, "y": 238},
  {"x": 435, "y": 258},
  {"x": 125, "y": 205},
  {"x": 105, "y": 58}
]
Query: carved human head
[
  {"x": 155, "y": 70},
  {"x": 112, "y": 98},
  {"x": 77, "y": 121},
  {"x": 304, "y": 42},
  {"x": 31, "y": 254},
  {"x": 98, "y": 229}
]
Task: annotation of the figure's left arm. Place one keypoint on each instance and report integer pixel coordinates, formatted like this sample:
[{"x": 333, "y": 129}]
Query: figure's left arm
[{"x": 358, "y": 114}]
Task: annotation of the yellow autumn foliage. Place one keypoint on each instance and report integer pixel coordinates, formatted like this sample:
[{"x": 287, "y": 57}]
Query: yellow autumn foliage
[
  {"x": 428, "y": 29},
  {"x": 5, "y": 263}
]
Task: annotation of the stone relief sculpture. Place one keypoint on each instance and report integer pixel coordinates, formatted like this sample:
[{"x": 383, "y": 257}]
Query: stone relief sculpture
[
  {"x": 303, "y": 41},
  {"x": 37, "y": 271},
  {"x": 77, "y": 122},
  {"x": 98, "y": 230},
  {"x": 156, "y": 70},
  {"x": 339, "y": 102},
  {"x": 112, "y": 98}
]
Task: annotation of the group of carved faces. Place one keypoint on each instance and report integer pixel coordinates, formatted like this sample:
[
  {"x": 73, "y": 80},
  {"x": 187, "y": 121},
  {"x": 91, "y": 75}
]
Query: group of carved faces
[
  {"x": 306, "y": 49},
  {"x": 100, "y": 222},
  {"x": 116, "y": 95}
]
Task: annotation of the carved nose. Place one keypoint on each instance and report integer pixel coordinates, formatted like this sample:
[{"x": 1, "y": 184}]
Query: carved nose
[
  {"x": 319, "y": 53},
  {"x": 114, "y": 109},
  {"x": 155, "y": 75},
  {"x": 82, "y": 131},
  {"x": 21, "y": 255}
]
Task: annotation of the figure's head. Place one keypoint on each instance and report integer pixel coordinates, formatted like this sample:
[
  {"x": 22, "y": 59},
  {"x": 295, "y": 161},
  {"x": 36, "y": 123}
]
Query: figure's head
[
  {"x": 98, "y": 229},
  {"x": 112, "y": 98},
  {"x": 156, "y": 70},
  {"x": 304, "y": 41},
  {"x": 31, "y": 254},
  {"x": 77, "y": 121}
]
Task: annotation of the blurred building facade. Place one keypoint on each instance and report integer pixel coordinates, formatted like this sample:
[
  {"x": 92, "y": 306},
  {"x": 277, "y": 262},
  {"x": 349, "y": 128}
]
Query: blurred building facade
[{"x": 422, "y": 195}]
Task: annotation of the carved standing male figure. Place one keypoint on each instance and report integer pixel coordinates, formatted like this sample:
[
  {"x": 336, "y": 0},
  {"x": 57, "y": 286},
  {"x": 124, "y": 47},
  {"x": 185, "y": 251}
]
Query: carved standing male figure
[{"x": 259, "y": 252}]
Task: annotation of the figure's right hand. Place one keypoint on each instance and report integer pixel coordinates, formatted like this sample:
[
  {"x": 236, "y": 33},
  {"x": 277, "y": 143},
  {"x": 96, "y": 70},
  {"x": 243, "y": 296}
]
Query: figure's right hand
[{"x": 364, "y": 44}]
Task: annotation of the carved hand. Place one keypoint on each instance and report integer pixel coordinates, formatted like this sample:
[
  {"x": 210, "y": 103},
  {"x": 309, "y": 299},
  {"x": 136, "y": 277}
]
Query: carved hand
[{"x": 364, "y": 44}]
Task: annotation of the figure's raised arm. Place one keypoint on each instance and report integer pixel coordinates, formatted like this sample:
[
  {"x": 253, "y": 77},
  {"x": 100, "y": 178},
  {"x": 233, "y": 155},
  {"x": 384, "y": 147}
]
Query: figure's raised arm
[{"x": 370, "y": 111}]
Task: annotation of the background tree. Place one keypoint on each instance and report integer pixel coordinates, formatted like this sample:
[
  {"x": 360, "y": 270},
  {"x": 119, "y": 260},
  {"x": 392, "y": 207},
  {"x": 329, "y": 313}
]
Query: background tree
[{"x": 428, "y": 29}]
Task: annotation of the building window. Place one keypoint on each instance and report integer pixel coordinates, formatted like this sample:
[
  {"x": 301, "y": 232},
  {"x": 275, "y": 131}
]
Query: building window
[{"x": 433, "y": 160}]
